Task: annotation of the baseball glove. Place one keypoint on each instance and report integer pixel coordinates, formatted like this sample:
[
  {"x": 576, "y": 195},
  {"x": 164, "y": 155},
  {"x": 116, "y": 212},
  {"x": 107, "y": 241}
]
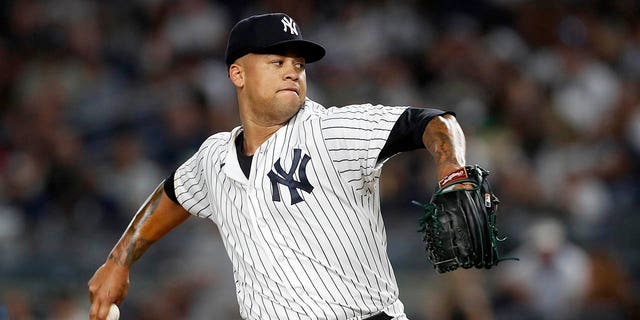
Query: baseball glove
[{"x": 459, "y": 225}]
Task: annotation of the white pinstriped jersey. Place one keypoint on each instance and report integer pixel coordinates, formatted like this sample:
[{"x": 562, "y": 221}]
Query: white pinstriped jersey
[{"x": 304, "y": 232}]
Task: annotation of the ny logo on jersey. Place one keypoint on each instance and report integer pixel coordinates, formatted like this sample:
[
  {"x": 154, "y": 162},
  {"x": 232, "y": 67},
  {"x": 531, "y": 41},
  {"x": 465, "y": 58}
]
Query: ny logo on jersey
[
  {"x": 289, "y": 23},
  {"x": 286, "y": 177}
]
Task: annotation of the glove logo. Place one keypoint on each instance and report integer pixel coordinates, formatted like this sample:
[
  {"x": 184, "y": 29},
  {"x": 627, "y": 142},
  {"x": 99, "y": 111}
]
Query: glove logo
[
  {"x": 454, "y": 176},
  {"x": 279, "y": 176}
]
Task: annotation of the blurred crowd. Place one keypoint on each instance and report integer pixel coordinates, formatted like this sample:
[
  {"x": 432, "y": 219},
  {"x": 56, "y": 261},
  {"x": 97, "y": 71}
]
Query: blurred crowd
[{"x": 101, "y": 100}]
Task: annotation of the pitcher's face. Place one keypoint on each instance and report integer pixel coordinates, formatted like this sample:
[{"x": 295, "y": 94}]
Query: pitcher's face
[{"x": 275, "y": 86}]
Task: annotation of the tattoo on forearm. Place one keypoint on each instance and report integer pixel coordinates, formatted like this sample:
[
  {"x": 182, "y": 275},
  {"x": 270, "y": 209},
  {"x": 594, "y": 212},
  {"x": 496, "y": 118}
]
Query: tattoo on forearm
[
  {"x": 136, "y": 249},
  {"x": 443, "y": 148},
  {"x": 133, "y": 244},
  {"x": 446, "y": 143}
]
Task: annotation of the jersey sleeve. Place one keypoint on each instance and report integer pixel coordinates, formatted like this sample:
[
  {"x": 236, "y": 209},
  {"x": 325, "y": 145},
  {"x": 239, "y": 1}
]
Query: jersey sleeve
[
  {"x": 169, "y": 188},
  {"x": 355, "y": 135},
  {"x": 407, "y": 132},
  {"x": 190, "y": 182}
]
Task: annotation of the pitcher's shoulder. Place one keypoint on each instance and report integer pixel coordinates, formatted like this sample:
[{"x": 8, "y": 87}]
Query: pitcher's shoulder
[
  {"x": 216, "y": 140},
  {"x": 312, "y": 108}
]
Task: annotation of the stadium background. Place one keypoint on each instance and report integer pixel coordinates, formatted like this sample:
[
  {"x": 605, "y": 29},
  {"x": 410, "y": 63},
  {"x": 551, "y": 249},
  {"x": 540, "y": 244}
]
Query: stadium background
[{"x": 100, "y": 100}]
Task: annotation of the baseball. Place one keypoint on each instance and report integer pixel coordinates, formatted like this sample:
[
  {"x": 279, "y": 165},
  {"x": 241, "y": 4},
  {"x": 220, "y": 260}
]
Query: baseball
[{"x": 114, "y": 312}]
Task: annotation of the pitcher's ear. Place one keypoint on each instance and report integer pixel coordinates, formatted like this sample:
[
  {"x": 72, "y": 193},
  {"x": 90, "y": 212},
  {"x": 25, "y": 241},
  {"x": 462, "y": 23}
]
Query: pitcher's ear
[{"x": 236, "y": 74}]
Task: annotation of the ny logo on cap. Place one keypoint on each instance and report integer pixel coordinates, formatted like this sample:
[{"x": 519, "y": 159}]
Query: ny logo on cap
[{"x": 289, "y": 23}]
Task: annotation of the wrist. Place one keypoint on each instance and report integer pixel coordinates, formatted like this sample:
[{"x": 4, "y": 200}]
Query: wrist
[
  {"x": 116, "y": 260},
  {"x": 116, "y": 268}
]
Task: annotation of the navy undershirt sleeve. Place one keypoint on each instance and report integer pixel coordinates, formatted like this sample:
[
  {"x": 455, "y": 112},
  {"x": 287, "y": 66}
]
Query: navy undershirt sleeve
[
  {"x": 169, "y": 188},
  {"x": 406, "y": 134}
]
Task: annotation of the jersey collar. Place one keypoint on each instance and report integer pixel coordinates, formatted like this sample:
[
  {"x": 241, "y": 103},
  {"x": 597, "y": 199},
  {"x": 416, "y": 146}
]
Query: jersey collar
[{"x": 231, "y": 166}]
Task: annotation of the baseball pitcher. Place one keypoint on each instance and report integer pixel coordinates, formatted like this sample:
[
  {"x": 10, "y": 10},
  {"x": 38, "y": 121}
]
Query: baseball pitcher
[{"x": 294, "y": 191}]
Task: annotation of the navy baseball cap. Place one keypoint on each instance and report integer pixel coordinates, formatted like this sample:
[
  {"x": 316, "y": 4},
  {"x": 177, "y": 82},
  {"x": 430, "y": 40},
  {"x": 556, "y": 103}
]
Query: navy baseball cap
[{"x": 270, "y": 33}]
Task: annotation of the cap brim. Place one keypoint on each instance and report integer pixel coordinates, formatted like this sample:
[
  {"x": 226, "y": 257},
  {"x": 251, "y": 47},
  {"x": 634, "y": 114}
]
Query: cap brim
[{"x": 310, "y": 51}]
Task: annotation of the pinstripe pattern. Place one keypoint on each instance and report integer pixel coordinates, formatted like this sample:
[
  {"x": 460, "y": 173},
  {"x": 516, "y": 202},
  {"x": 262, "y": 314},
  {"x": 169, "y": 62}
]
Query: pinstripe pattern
[{"x": 321, "y": 258}]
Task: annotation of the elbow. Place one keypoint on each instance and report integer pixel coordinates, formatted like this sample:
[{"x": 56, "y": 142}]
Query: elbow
[
  {"x": 449, "y": 121},
  {"x": 446, "y": 124}
]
